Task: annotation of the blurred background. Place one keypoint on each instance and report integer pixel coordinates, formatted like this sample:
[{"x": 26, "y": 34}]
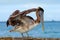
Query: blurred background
[{"x": 51, "y": 8}]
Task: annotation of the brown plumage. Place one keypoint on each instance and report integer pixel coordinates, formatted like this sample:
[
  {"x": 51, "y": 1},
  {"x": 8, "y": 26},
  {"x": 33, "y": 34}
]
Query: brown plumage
[{"x": 24, "y": 23}]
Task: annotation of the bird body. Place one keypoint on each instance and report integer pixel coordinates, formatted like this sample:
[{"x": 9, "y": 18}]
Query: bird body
[
  {"x": 27, "y": 24},
  {"x": 24, "y": 29},
  {"x": 23, "y": 23}
]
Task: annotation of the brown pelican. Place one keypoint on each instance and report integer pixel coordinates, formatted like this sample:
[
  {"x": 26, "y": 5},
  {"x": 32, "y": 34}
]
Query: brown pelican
[{"x": 23, "y": 23}]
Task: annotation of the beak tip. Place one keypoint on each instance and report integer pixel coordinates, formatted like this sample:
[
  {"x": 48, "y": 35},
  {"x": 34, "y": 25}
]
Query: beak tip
[{"x": 7, "y": 23}]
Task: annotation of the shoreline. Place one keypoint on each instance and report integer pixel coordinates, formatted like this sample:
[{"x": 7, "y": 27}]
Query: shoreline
[{"x": 27, "y": 38}]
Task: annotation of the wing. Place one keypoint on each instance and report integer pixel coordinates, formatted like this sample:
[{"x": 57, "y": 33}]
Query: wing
[
  {"x": 15, "y": 12},
  {"x": 30, "y": 17}
]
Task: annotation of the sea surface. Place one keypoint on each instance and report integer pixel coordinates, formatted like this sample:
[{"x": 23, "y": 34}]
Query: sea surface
[{"x": 52, "y": 30}]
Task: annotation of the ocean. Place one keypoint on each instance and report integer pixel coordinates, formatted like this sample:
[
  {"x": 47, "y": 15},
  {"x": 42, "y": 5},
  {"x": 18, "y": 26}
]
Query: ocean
[{"x": 52, "y": 30}]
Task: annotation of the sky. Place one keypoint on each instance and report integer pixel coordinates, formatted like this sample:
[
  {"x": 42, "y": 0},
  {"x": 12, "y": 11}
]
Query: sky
[{"x": 51, "y": 8}]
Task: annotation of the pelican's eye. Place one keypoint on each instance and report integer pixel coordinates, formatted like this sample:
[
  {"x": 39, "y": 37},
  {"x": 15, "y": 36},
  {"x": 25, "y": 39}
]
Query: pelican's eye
[{"x": 18, "y": 24}]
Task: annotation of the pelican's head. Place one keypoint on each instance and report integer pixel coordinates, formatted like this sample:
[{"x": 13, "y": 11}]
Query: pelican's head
[
  {"x": 14, "y": 22},
  {"x": 13, "y": 18},
  {"x": 11, "y": 21}
]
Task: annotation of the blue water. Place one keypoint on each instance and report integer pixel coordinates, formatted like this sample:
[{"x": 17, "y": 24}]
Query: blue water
[{"x": 52, "y": 30}]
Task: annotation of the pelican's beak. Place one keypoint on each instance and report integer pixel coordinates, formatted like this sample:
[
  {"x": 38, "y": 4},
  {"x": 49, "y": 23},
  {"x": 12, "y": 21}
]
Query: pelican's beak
[
  {"x": 42, "y": 21},
  {"x": 7, "y": 23}
]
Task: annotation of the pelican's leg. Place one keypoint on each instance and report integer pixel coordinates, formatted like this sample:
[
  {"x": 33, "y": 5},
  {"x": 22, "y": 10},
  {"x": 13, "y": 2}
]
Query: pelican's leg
[
  {"x": 27, "y": 34},
  {"x": 22, "y": 35}
]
